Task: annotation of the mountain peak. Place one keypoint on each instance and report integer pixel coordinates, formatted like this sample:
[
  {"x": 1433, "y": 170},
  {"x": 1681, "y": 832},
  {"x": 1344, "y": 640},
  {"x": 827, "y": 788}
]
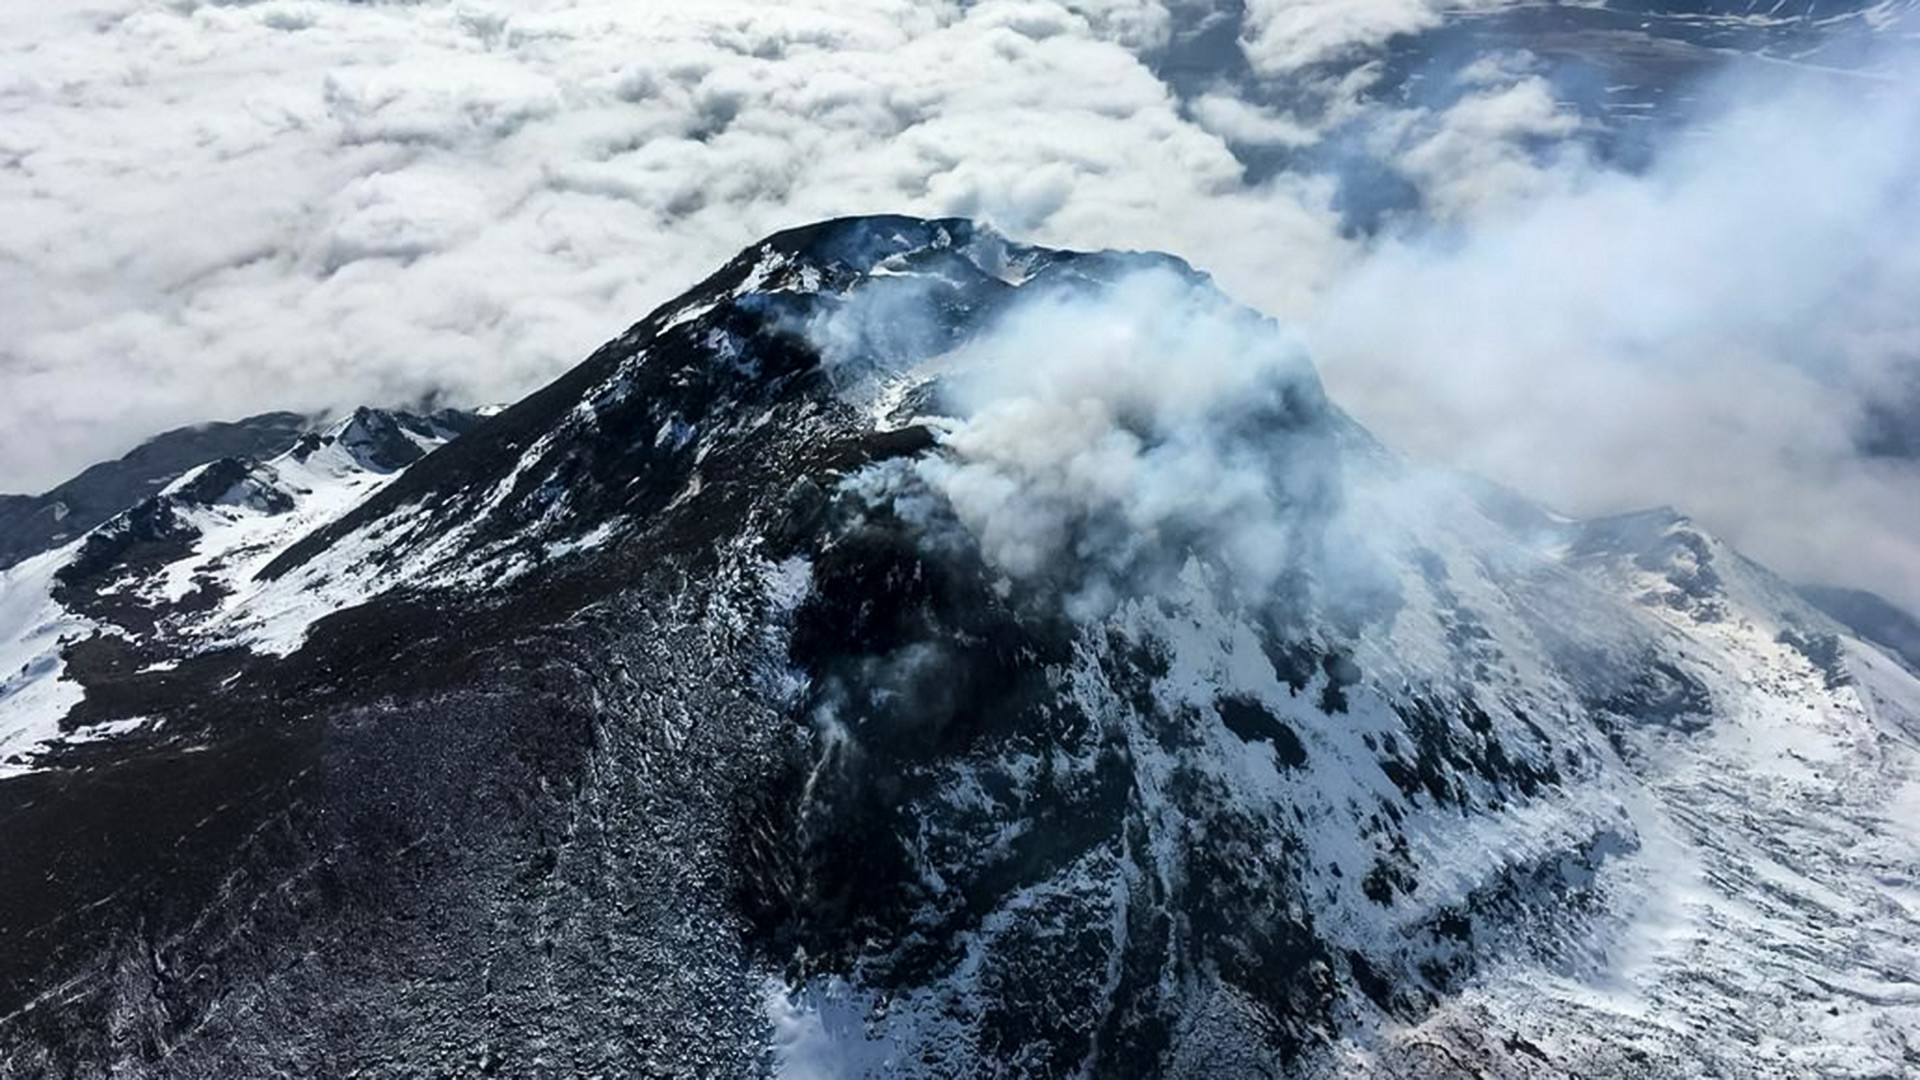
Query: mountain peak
[
  {"x": 388, "y": 441},
  {"x": 923, "y": 652},
  {"x": 31, "y": 524}
]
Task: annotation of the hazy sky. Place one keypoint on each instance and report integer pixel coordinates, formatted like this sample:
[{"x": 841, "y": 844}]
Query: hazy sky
[{"x": 212, "y": 210}]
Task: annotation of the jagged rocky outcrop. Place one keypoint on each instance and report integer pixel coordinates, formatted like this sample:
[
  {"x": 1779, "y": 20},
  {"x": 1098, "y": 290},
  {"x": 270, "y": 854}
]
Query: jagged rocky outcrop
[
  {"x": 1871, "y": 618},
  {"x": 911, "y": 653}
]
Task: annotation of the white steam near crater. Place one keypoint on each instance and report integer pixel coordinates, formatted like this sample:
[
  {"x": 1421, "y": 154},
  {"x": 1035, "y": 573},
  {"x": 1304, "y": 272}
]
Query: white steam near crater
[
  {"x": 1119, "y": 405},
  {"x": 215, "y": 209}
]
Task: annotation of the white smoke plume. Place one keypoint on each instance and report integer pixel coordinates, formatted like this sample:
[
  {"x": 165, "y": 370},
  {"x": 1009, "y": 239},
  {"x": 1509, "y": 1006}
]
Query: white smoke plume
[
  {"x": 1121, "y": 404},
  {"x": 1102, "y": 437},
  {"x": 1720, "y": 332}
]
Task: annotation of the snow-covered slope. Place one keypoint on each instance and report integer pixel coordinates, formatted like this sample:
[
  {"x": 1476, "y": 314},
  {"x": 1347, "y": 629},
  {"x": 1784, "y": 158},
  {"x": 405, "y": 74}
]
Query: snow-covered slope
[
  {"x": 34, "y": 630},
  {"x": 30, "y": 524},
  {"x": 1774, "y": 933},
  {"x": 172, "y": 576},
  {"x": 915, "y": 654}
]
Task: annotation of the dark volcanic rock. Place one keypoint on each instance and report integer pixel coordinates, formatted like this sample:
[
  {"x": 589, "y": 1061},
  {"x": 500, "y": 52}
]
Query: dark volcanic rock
[{"x": 1871, "y": 617}]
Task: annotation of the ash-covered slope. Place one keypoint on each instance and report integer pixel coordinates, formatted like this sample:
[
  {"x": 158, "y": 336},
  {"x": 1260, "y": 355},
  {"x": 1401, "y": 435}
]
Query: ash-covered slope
[{"x": 915, "y": 654}]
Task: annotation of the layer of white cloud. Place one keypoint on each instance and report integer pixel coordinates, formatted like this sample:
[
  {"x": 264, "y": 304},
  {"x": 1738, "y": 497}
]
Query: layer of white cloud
[{"x": 213, "y": 209}]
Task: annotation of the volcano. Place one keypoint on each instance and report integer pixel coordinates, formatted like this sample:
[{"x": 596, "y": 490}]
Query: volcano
[{"x": 915, "y": 653}]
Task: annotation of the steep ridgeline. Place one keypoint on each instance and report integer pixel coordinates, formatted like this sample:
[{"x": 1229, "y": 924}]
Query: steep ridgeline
[
  {"x": 109, "y": 616},
  {"x": 30, "y": 524},
  {"x": 915, "y": 654},
  {"x": 1871, "y": 618}
]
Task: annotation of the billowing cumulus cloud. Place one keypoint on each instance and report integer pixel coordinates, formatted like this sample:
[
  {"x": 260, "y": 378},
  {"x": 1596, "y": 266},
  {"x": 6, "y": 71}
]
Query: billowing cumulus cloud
[
  {"x": 214, "y": 209},
  {"x": 1284, "y": 36},
  {"x": 1478, "y": 151}
]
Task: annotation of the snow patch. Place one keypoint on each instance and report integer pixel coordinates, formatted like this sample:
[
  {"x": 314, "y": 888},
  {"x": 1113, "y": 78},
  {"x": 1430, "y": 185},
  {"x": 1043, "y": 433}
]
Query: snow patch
[
  {"x": 820, "y": 1033},
  {"x": 34, "y": 630}
]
